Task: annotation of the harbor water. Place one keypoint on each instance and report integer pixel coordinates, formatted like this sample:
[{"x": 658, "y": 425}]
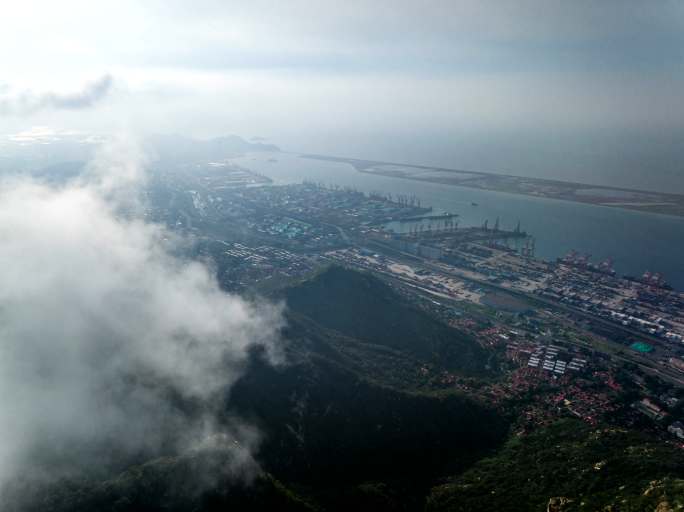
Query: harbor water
[{"x": 635, "y": 241}]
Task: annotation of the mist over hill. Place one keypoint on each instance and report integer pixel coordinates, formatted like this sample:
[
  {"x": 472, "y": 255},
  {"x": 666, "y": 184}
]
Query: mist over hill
[
  {"x": 331, "y": 418},
  {"x": 440, "y": 270}
]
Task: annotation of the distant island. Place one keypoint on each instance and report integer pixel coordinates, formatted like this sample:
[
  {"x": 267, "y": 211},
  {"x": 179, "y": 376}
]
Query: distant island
[{"x": 616, "y": 197}]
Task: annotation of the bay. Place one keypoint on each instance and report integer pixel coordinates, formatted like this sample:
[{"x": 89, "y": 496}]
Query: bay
[{"x": 635, "y": 241}]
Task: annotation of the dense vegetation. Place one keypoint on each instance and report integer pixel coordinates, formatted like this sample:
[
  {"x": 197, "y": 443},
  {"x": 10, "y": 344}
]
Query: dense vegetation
[
  {"x": 325, "y": 424},
  {"x": 347, "y": 423},
  {"x": 343, "y": 418},
  {"x": 361, "y": 306},
  {"x": 343, "y": 421},
  {"x": 574, "y": 467},
  {"x": 202, "y": 481}
]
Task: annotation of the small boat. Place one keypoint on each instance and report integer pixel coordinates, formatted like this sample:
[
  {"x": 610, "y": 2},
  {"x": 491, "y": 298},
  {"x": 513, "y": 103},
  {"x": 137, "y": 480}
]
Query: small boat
[{"x": 474, "y": 204}]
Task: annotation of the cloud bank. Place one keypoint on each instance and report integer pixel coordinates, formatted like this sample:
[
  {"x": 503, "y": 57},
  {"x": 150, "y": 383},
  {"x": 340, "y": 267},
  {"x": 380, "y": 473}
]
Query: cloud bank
[
  {"x": 110, "y": 346},
  {"x": 586, "y": 91},
  {"x": 27, "y": 102}
]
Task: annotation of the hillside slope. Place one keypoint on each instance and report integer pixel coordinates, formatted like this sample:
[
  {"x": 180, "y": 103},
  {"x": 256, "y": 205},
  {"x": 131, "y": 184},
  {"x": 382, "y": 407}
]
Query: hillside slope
[
  {"x": 343, "y": 421},
  {"x": 323, "y": 422},
  {"x": 363, "y": 307},
  {"x": 210, "y": 480},
  {"x": 575, "y": 467}
]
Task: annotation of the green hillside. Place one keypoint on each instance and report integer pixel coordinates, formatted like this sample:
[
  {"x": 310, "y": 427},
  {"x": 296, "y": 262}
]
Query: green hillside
[
  {"x": 574, "y": 467},
  {"x": 343, "y": 421},
  {"x": 203, "y": 481},
  {"x": 345, "y": 418},
  {"x": 326, "y": 424},
  {"x": 363, "y": 307},
  {"x": 348, "y": 422}
]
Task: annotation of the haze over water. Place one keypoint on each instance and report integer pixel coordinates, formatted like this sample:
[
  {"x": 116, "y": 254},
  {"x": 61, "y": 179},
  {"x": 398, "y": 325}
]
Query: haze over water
[
  {"x": 636, "y": 241},
  {"x": 625, "y": 161}
]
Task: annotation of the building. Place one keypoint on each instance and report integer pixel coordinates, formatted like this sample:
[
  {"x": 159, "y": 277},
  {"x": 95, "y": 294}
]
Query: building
[{"x": 677, "y": 429}]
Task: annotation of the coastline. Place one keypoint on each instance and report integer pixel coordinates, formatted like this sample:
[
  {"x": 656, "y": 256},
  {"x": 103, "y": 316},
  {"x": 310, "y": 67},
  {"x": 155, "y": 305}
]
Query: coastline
[{"x": 599, "y": 195}]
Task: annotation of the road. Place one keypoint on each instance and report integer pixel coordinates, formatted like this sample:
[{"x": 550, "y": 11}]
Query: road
[{"x": 648, "y": 364}]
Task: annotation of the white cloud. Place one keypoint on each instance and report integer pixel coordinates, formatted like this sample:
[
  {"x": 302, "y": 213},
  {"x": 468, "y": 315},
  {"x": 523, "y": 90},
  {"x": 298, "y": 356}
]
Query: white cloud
[
  {"x": 44, "y": 134},
  {"x": 28, "y": 102},
  {"x": 304, "y": 70},
  {"x": 103, "y": 332}
]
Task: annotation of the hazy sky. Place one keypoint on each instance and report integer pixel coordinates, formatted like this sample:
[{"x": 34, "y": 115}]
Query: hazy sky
[{"x": 556, "y": 88}]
